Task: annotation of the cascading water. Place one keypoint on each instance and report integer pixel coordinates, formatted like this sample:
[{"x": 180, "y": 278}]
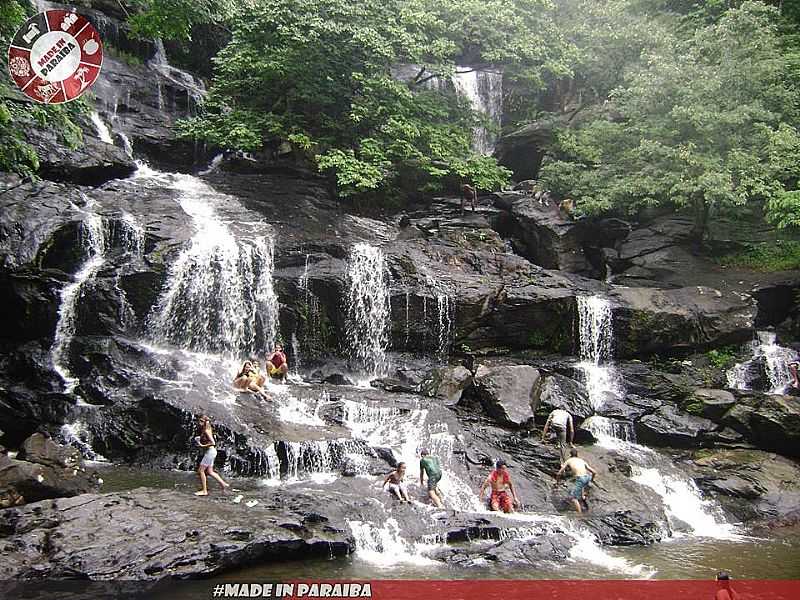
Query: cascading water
[
  {"x": 445, "y": 325},
  {"x": 93, "y": 242},
  {"x": 368, "y": 310},
  {"x": 384, "y": 545},
  {"x": 102, "y": 129},
  {"x": 484, "y": 89},
  {"x": 775, "y": 360},
  {"x": 595, "y": 319},
  {"x": 218, "y": 296},
  {"x": 76, "y": 435}
]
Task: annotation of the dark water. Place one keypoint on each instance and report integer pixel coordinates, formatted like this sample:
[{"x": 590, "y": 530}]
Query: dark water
[{"x": 772, "y": 555}]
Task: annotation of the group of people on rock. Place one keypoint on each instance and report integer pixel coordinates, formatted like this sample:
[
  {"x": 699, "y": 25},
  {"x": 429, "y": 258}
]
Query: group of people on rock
[
  {"x": 502, "y": 495},
  {"x": 251, "y": 379}
]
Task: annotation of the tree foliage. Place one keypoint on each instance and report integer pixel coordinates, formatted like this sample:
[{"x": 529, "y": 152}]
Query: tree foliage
[{"x": 707, "y": 122}]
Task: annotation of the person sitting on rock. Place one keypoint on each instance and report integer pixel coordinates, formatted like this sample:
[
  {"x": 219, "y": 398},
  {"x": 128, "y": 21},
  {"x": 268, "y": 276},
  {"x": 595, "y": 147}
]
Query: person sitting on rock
[
  {"x": 205, "y": 439},
  {"x": 468, "y": 193},
  {"x": 500, "y": 482},
  {"x": 396, "y": 485},
  {"x": 277, "y": 365},
  {"x": 561, "y": 421},
  {"x": 250, "y": 380},
  {"x": 429, "y": 465},
  {"x": 581, "y": 471}
]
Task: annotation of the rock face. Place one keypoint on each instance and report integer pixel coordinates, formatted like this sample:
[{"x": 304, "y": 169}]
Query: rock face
[
  {"x": 507, "y": 394},
  {"x": 154, "y": 534},
  {"x": 42, "y": 470},
  {"x": 669, "y": 427},
  {"x": 750, "y": 484}
]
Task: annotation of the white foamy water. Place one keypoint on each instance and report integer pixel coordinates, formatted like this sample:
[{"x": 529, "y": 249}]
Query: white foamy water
[
  {"x": 589, "y": 550},
  {"x": 384, "y": 545},
  {"x": 93, "y": 242},
  {"x": 218, "y": 296},
  {"x": 596, "y": 334},
  {"x": 103, "y": 131},
  {"x": 368, "y": 310},
  {"x": 775, "y": 359},
  {"x": 77, "y": 435}
]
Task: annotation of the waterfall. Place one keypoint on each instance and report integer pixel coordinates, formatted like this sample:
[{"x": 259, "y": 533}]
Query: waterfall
[
  {"x": 684, "y": 502},
  {"x": 218, "y": 296},
  {"x": 102, "y": 129},
  {"x": 595, "y": 320},
  {"x": 604, "y": 428},
  {"x": 93, "y": 243},
  {"x": 126, "y": 143},
  {"x": 76, "y": 435},
  {"x": 484, "y": 90},
  {"x": 384, "y": 545},
  {"x": 775, "y": 359},
  {"x": 214, "y": 165},
  {"x": 445, "y": 325},
  {"x": 368, "y": 310}
]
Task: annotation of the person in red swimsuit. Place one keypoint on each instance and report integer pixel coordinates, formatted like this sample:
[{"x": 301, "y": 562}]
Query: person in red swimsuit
[
  {"x": 277, "y": 366},
  {"x": 500, "y": 482}
]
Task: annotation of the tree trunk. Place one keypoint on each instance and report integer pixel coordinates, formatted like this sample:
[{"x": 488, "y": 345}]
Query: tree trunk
[{"x": 701, "y": 209}]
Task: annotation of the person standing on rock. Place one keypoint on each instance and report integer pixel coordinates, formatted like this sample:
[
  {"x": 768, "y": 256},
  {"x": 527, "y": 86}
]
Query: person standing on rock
[
  {"x": 561, "y": 421},
  {"x": 429, "y": 465},
  {"x": 584, "y": 475},
  {"x": 206, "y": 440},
  {"x": 277, "y": 365},
  {"x": 396, "y": 485},
  {"x": 468, "y": 193},
  {"x": 500, "y": 482}
]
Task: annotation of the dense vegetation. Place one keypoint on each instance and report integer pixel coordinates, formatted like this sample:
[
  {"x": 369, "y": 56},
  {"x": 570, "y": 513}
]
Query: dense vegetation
[{"x": 680, "y": 104}]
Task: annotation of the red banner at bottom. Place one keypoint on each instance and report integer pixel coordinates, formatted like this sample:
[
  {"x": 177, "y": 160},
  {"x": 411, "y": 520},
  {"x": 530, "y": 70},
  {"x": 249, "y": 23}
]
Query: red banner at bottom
[{"x": 551, "y": 589}]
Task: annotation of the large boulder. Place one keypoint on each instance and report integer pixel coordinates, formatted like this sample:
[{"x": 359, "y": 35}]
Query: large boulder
[
  {"x": 451, "y": 382},
  {"x": 751, "y": 484},
  {"x": 558, "y": 391},
  {"x": 775, "y": 425},
  {"x": 153, "y": 534},
  {"x": 711, "y": 404},
  {"x": 670, "y": 427},
  {"x": 40, "y": 449},
  {"x": 507, "y": 394},
  {"x": 652, "y": 321}
]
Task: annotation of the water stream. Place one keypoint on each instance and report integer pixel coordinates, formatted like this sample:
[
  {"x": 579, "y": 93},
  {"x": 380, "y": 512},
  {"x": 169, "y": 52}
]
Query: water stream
[
  {"x": 368, "y": 310},
  {"x": 596, "y": 334},
  {"x": 769, "y": 360}
]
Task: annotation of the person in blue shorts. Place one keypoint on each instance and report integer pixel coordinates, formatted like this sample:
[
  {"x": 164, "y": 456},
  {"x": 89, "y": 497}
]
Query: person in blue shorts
[{"x": 584, "y": 475}]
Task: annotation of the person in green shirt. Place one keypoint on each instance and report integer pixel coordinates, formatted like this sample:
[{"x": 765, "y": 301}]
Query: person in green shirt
[{"x": 429, "y": 465}]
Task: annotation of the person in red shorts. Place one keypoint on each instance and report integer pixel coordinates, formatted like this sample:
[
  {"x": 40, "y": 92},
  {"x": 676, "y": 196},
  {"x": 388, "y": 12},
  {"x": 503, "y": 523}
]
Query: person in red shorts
[
  {"x": 277, "y": 366},
  {"x": 500, "y": 482}
]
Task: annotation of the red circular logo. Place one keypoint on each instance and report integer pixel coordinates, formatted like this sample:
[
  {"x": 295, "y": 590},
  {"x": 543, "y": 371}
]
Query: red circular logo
[{"x": 55, "y": 56}]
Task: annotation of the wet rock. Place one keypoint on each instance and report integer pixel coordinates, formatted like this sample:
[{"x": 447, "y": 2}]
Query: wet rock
[
  {"x": 558, "y": 391},
  {"x": 775, "y": 425},
  {"x": 670, "y": 427},
  {"x": 42, "y": 450},
  {"x": 666, "y": 322},
  {"x": 22, "y": 481},
  {"x": 451, "y": 382},
  {"x": 751, "y": 484},
  {"x": 507, "y": 394},
  {"x": 156, "y": 534},
  {"x": 713, "y": 403}
]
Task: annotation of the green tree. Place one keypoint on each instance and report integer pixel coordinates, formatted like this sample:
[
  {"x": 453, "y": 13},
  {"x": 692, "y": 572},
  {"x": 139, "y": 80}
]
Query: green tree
[
  {"x": 708, "y": 122},
  {"x": 319, "y": 74}
]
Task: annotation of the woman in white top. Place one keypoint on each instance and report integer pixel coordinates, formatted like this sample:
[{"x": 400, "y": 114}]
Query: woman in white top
[{"x": 206, "y": 440}]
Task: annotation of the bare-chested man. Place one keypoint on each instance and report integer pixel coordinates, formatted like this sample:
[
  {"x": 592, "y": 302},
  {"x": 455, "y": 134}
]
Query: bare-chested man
[
  {"x": 580, "y": 470},
  {"x": 500, "y": 482}
]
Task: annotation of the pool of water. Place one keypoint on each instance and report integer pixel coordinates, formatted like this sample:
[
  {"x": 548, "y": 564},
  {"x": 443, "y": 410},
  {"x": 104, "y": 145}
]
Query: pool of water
[{"x": 772, "y": 555}]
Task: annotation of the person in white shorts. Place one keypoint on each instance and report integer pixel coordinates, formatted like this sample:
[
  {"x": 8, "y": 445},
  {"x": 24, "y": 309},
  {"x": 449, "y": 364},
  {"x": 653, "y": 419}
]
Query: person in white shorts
[
  {"x": 561, "y": 421},
  {"x": 206, "y": 440},
  {"x": 396, "y": 484}
]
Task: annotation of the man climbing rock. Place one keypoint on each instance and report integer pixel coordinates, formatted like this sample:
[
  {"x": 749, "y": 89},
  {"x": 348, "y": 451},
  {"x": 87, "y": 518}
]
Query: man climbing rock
[
  {"x": 429, "y": 465},
  {"x": 500, "y": 482},
  {"x": 277, "y": 365},
  {"x": 561, "y": 421},
  {"x": 581, "y": 471}
]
